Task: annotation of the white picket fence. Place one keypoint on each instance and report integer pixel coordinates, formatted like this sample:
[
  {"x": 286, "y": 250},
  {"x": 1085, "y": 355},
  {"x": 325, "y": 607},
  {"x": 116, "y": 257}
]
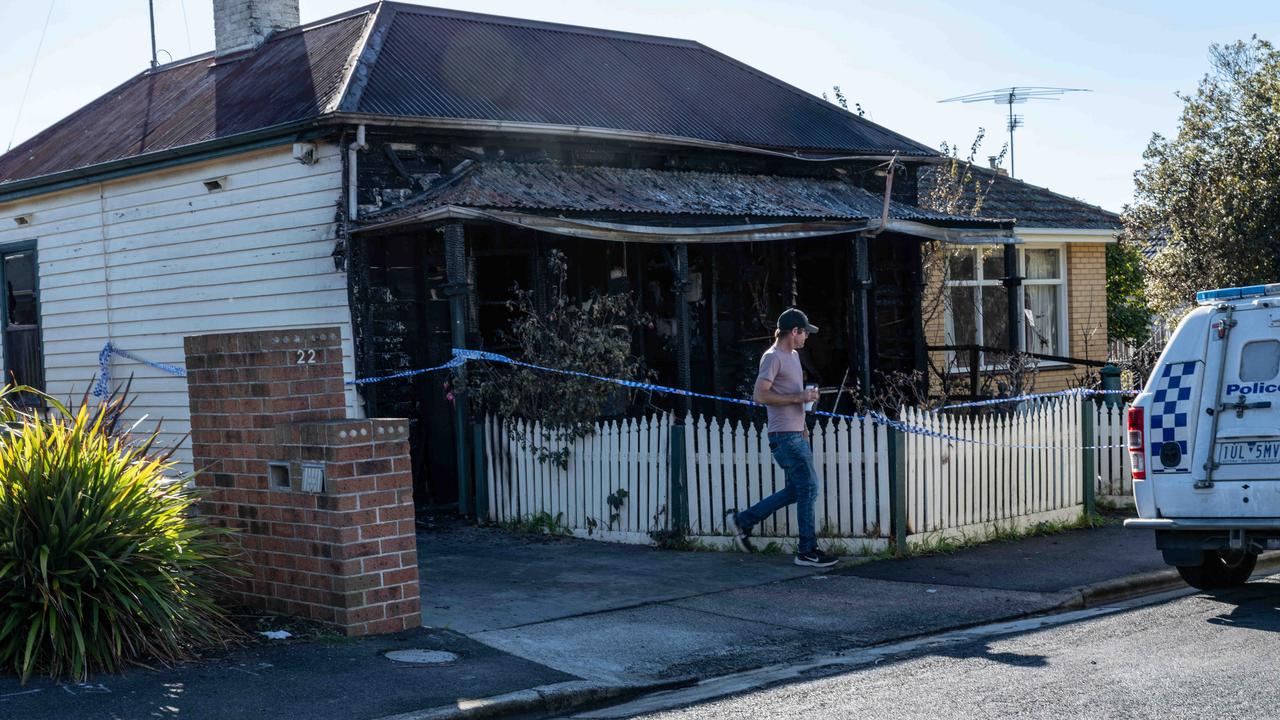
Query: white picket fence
[
  {"x": 1004, "y": 469},
  {"x": 992, "y": 470},
  {"x": 1115, "y": 478},
  {"x": 730, "y": 467},
  {"x": 632, "y": 456}
]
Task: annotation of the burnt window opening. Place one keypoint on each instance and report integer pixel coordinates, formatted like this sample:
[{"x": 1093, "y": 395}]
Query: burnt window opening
[{"x": 23, "y": 360}]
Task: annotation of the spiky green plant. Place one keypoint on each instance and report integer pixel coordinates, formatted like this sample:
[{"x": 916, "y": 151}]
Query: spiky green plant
[{"x": 101, "y": 561}]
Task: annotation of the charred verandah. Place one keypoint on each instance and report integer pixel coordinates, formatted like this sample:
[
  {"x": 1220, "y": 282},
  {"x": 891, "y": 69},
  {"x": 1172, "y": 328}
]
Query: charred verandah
[{"x": 712, "y": 247}]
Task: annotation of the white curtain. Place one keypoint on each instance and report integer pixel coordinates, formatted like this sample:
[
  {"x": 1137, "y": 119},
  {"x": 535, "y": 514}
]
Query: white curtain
[{"x": 1042, "y": 318}]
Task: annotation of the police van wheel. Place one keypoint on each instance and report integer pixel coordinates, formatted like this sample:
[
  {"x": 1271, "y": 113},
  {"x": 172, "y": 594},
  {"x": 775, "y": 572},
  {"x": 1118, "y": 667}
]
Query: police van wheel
[{"x": 1219, "y": 570}]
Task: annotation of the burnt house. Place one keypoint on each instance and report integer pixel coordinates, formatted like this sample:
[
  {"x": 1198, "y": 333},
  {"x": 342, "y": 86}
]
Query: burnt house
[{"x": 395, "y": 170}]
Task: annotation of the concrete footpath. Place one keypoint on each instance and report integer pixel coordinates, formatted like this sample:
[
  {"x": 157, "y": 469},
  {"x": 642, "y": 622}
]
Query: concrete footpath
[{"x": 526, "y": 625}]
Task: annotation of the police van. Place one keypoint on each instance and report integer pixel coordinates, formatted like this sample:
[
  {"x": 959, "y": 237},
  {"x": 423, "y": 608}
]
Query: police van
[{"x": 1204, "y": 438}]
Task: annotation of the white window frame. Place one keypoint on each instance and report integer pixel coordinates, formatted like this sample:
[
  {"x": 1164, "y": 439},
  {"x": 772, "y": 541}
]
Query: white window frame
[{"x": 980, "y": 281}]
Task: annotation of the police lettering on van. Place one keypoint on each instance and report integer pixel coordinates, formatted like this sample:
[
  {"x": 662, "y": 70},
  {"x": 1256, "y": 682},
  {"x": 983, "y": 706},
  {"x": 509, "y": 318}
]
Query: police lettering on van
[
  {"x": 1204, "y": 438},
  {"x": 1254, "y": 389}
]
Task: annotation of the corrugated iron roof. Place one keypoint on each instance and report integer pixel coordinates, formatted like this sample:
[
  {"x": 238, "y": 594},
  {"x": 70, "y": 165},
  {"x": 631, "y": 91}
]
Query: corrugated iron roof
[
  {"x": 442, "y": 64},
  {"x": 294, "y": 76},
  {"x": 1031, "y": 205},
  {"x": 559, "y": 188}
]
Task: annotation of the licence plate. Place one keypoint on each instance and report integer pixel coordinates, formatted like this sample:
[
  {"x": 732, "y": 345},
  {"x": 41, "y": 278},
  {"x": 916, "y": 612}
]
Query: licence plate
[{"x": 1249, "y": 452}]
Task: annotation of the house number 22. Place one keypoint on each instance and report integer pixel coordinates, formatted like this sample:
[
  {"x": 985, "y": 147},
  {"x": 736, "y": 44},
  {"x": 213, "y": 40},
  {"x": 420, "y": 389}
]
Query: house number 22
[{"x": 306, "y": 357}]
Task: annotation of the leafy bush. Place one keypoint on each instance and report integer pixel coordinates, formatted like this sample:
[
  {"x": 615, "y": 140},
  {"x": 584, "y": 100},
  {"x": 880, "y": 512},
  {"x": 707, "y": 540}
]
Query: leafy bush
[
  {"x": 101, "y": 562},
  {"x": 590, "y": 336},
  {"x": 1127, "y": 315}
]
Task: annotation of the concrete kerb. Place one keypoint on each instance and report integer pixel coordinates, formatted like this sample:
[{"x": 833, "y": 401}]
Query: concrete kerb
[
  {"x": 553, "y": 699},
  {"x": 1124, "y": 588}
]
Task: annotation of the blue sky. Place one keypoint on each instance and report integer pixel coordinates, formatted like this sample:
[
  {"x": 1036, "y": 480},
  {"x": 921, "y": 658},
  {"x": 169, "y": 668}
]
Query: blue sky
[{"x": 897, "y": 58}]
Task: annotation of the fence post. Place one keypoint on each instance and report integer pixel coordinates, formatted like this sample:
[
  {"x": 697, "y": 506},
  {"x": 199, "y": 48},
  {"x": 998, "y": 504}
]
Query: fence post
[
  {"x": 481, "y": 473},
  {"x": 679, "y": 490},
  {"x": 897, "y": 457},
  {"x": 1088, "y": 439},
  {"x": 1111, "y": 381}
]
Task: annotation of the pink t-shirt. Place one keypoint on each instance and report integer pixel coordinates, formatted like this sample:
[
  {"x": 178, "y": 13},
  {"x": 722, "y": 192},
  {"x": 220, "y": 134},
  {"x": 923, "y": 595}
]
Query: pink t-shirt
[{"x": 783, "y": 368}]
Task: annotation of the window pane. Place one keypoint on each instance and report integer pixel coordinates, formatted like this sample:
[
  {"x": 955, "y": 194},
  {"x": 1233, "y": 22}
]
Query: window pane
[
  {"x": 1042, "y": 318},
  {"x": 22, "y": 308},
  {"x": 963, "y": 317},
  {"x": 1043, "y": 264},
  {"x": 22, "y": 349},
  {"x": 1259, "y": 360},
  {"x": 20, "y": 283},
  {"x": 960, "y": 265},
  {"x": 993, "y": 263},
  {"x": 995, "y": 317}
]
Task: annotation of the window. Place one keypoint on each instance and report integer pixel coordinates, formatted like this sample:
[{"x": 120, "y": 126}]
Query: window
[
  {"x": 1042, "y": 300},
  {"x": 23, "y": 362},
  {"x": 1259, "y": 360},
  {"x": 977, "y": 308}
]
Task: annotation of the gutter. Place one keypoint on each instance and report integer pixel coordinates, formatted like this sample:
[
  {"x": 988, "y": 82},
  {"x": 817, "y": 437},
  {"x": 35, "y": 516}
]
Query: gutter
[
  {"x": 596, "y": 133},
  {"x": 622, "y": 232},
  {"x": 952, "y": 235},
  {"x": 101, "y": 172}
]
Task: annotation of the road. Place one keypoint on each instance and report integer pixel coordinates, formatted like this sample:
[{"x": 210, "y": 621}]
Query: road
[{"x": 1180, "y": 655}]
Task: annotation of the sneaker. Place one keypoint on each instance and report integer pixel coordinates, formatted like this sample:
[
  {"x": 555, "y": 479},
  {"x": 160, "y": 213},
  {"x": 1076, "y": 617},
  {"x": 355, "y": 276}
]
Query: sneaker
[
  {"x": 741, "y": 537},
  {"x": 816, "y": 558}
]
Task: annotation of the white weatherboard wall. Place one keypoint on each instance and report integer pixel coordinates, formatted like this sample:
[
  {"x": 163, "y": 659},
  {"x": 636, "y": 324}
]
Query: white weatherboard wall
[{"x": 145, "y": 260}]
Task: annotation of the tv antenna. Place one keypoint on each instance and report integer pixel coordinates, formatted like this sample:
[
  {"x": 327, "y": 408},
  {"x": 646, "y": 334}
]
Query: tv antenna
[{"x": 1011, "y": 96}]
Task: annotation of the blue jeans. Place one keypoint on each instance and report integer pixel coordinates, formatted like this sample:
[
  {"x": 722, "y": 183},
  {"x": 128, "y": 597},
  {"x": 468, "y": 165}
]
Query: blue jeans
[{"x": 791, "y": 451}]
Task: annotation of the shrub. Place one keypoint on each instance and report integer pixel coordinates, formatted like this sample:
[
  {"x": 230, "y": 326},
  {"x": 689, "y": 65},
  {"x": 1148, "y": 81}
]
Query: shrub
[
  {"x": 590, "y": 336},
  {"x": 101, "y": 561}
]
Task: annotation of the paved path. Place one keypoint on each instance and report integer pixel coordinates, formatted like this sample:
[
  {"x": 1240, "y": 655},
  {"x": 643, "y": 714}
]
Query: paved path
[{"x": 617, "y": 613}]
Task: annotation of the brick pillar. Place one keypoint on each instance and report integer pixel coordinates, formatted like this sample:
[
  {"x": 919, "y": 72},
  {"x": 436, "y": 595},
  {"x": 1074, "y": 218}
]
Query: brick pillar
[{"x": 323, "y": 504}]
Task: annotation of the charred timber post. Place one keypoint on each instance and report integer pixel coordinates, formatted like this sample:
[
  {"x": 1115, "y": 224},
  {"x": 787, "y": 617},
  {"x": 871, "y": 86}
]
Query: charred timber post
[
  {"x": 456, "y": 270},
  {"x": 714, "y": 332},
  {"x": 861, "y": 339},
  {"x": 918, "y": 341},
  {"x": 1013, "y": 283},
  {"x": 790, "y": 290},
  {"x": 682, "y": 286},
  {"x": 358, "y": 281}
]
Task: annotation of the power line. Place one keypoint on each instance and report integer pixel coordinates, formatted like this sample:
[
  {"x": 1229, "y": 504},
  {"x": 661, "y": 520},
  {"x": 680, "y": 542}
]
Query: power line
[{"x": 34, "y": 60}]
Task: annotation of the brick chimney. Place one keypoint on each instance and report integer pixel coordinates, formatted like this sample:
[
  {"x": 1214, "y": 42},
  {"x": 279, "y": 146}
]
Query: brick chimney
[{"x": 246, "y": 24}]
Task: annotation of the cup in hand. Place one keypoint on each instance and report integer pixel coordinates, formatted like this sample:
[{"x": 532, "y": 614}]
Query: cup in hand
[{"x": 809, "y": 391}]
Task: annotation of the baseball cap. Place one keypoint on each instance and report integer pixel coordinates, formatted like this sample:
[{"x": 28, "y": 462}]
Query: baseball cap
[{"x": 795, "y": 318}]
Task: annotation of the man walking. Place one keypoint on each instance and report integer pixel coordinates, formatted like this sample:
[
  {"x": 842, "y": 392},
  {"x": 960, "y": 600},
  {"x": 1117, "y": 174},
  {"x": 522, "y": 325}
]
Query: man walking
[{"x": 780, "y": 388}]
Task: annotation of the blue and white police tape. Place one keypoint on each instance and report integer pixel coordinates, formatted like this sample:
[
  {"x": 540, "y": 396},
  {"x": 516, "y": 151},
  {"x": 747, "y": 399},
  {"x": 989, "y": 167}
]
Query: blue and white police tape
[
  {"x": 1073, "y": 392},
  {"x": 927, "y": 432},
  {"x": 462, "y": 356},
  {"x": 102, "y": 386},
  {"x": 455, "y": 362}
]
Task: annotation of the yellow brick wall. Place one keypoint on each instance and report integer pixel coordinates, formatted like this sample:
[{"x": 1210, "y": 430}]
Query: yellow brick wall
[{"x": 1086, "y": 316}]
